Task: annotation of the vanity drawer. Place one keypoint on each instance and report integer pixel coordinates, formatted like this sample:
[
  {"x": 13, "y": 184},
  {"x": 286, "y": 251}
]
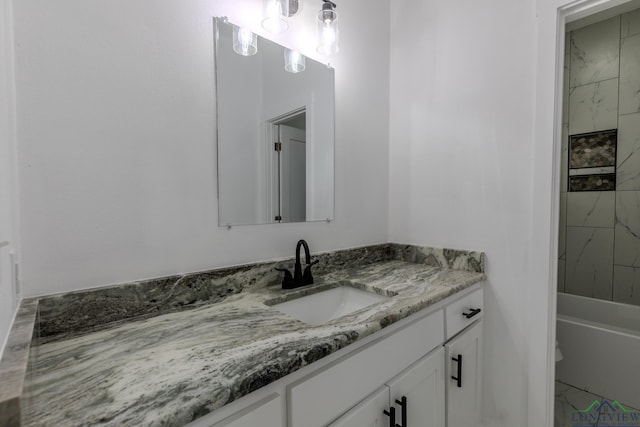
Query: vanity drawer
[
  {"x": 317, "y": 400},
  {"x": 462, "y": 313}
]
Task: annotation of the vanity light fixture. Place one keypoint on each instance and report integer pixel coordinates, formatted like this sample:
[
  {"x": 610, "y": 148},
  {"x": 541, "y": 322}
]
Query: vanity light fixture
[
  {"x": 294, "y": 62},
  {"x": 327, "y": 29},
  {"x": 245, "y": 42},
  {"x": 277, "y": 13}
]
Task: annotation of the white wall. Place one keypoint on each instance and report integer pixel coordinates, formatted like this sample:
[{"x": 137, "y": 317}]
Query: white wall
[
  {"x": 7, "y": 173},
  {"x": 461, "y": 137},
  {"x": 115, "y": 134}
]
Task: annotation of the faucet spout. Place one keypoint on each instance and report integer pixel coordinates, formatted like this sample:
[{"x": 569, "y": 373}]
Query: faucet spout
[
  {"x": 299, "y": 277},
  {"x": 307, "y": 258}
]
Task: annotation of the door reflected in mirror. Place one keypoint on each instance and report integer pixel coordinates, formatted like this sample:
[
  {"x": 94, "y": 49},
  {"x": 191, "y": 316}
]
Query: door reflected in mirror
[
  {"x": 275, "y": 135},
  {"x": 291, "y": 160}
]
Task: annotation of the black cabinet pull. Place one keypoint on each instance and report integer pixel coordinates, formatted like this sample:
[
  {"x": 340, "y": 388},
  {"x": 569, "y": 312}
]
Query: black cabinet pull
[
  {"x": 472, "y": 313},
  {"x": 403, "y": 404},
  {"x": 391, "y": 413},
  {"x": 459, "y": 377}
]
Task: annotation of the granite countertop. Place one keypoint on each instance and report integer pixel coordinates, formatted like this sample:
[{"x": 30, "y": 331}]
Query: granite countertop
[{"x": 168, "y": 351}]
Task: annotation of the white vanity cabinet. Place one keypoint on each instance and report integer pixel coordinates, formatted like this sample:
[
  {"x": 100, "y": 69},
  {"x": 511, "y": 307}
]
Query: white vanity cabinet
[
  {"x": 463, "y": 377},
  {"x": 264, "y": 413},
  {"x": 463, "y": 362},
  {"x": 320, "y": 398},
  {"x": 368, "y": 413},
  {"x": 415, "y": 398},
  {"x": 421, "y": 390}
]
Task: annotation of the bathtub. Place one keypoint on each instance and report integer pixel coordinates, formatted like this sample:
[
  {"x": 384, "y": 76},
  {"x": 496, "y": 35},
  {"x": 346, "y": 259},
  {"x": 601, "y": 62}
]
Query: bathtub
[{"x": 600, "y": 344}]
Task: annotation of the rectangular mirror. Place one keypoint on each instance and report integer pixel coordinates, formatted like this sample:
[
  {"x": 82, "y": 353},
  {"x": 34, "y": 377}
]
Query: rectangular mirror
[{"x": 275, "y": 131}]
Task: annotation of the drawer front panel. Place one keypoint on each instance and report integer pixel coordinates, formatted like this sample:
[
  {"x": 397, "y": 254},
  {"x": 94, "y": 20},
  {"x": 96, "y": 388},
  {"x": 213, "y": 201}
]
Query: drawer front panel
[{"x": 463, "y": 312}]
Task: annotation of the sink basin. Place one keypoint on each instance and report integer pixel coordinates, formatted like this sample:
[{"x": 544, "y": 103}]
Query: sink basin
[{"x": 318, "y": 309}]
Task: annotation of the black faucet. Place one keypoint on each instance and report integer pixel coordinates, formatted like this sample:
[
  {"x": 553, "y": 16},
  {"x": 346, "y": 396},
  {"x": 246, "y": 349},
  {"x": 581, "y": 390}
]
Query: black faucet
[{"x": 299, "y": 277}]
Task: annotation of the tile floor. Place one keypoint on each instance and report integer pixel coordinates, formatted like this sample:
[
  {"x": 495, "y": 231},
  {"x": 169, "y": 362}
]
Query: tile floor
[{"x": 569, "y": 400}]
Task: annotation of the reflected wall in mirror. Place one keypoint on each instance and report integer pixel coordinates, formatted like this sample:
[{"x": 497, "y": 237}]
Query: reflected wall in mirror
[{"x": 275, "y": 135}]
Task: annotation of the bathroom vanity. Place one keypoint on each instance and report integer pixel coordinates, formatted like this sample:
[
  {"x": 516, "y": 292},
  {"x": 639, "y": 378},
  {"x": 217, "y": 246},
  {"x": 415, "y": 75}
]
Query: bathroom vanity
[
  {"x": 212, "y": 348},
  {"x": 402, "y": 375}
]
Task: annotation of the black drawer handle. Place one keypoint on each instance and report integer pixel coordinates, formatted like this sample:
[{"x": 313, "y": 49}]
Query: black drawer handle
[
  {"x": 403, "y": 404},
  {"x": 391, "y": 413},
  {"x": 472, "y": 313},
  {"x": 458, "y": 379}
]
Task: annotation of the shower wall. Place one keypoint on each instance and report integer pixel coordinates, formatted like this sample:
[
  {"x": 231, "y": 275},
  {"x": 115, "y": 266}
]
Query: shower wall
[{"x": 599, "y": 246}]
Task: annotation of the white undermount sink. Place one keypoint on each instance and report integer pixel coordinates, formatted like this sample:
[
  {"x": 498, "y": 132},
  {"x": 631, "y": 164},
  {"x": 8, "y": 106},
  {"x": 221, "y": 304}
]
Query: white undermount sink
[{"x": 318, "y": 309}]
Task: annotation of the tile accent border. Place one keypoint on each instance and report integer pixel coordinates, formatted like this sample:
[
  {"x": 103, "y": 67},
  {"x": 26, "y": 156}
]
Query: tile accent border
[
  {"x": 593, "y": 149},
  {"x": 604, "y": 182}
]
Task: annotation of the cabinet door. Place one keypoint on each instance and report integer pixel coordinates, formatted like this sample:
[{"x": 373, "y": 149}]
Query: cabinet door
[
  {"x": 463, "y": 396},
  {"x": 266, "y": 413},
  {"x": 422, "y": 384},
  {"x": 317, "y": 400},
  {"x": 368, "y": 413}
]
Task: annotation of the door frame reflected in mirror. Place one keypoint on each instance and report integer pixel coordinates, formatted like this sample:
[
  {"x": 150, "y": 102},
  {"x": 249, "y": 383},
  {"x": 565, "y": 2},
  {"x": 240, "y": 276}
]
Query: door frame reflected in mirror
[{"x": 288, "y": 176}]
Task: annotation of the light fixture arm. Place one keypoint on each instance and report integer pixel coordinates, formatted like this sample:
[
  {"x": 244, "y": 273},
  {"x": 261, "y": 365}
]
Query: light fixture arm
[
  {"x": 327, "y": 9},
  {"x": 328, "y": 4},
  {"x": 293, "y": 7}
]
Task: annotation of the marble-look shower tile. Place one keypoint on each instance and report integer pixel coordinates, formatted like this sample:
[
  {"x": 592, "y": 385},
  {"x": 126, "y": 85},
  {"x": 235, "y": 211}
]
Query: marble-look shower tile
[
  {"x": 562, "y": 232},
  {"x": 568, "y": 401},
  {"x": 630, "y": 23},
  {"x": 626, "y": 284},
  {"x": 564, "y": 159},
  {"x": 627, "y": 250},
  {"x": 566, "y": 81},
  {"x": 593, "y": 107},
  {"x": 561, "y": 274},
  {"x": 591, "y": 209},
  {"x": 630, "y": 75},
  {"x": 589, "y": 267},
  {"x": 595, "y": 52},
  {"x": 628, "y": 161}
]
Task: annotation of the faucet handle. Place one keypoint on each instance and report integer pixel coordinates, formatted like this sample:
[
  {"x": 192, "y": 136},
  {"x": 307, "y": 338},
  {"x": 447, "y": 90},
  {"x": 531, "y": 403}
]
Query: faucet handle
[
  {"x": 307, "y": 276},
  {"x": 287, "y": 274}
]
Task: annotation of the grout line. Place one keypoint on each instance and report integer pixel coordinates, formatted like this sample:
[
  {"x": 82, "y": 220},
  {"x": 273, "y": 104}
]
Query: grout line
[
  {"x": 598, "y": 81},
  {"x": 615, "y": 197},
  {"x": 565, "y": 142},
  {"x": 625, "y": 114}
]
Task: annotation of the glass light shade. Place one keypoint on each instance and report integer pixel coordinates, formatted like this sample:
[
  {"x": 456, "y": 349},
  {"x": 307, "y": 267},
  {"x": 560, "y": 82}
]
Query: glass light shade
[
  {"x": 245, "y": 42},
  {"x": 293, "y": 61},
  {"x": 327, "y": 32},
  {"x": 276, "y": 16}
]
